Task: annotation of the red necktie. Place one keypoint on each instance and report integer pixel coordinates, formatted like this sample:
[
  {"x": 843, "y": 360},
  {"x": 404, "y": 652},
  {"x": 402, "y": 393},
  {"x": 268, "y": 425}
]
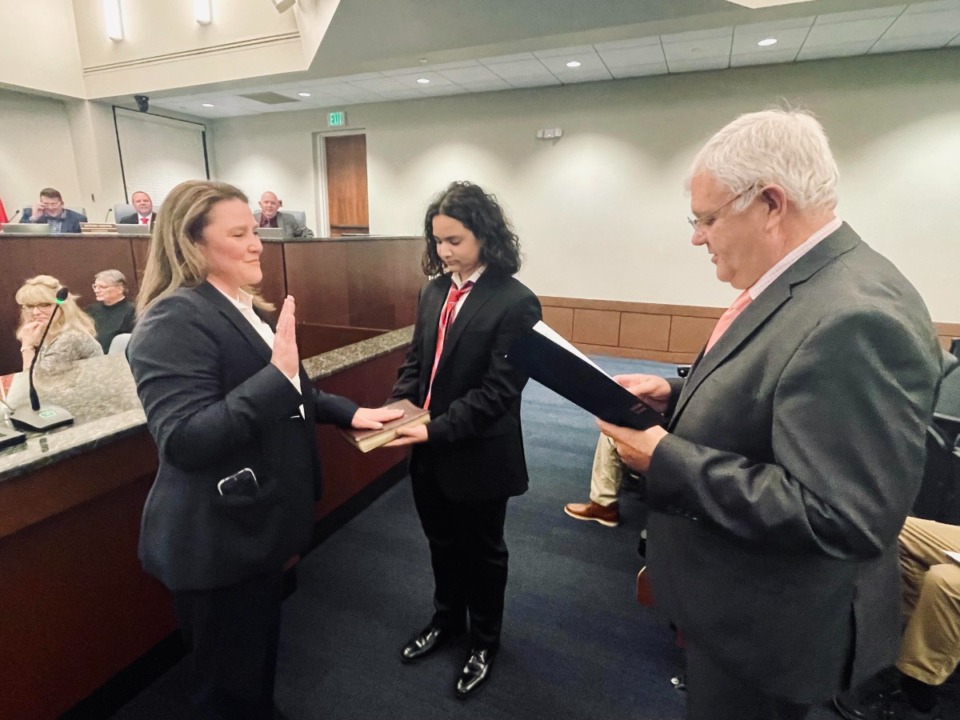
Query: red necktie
[
  {"x": 144, "y": 220},
  {"x": 446, "y": 320},
  {"x": 726, "y": 320}
]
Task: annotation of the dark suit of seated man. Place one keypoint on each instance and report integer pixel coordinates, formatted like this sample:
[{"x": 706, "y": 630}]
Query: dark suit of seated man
[
  {"x": 50, "y": 210},
  {"x": 144, "y": 214}
]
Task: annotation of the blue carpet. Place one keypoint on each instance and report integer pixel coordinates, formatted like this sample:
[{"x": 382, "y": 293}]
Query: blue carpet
[{"x": 575, "y": 643}]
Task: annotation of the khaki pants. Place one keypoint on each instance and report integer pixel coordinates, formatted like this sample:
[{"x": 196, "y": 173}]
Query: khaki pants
[
  {"x": 930, "y": 647},
  {"x": 607, "y": 474}
]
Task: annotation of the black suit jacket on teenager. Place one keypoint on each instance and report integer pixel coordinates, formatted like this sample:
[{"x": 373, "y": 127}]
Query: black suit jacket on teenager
[
  {"x": 475, "y": 447},
  {"x": 797, "y": 448},
  {"x": 215, "y": 405}
]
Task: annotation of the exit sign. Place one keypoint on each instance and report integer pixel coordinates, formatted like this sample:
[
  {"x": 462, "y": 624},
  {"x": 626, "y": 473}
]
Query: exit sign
[{"x": 336, "y": 119}]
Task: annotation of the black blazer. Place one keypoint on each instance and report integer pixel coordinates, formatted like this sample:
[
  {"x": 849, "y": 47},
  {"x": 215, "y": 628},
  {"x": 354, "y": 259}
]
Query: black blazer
[
  {"x": 135, "y": 219},
  {"x": 215, "y": 405},
  {"x": 797, "y": 448},
  {"x": 475, "y": 447}
]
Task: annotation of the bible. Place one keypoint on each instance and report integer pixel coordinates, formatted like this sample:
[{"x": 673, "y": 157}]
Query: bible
[
  {"x": 553, "y": 362},
  {"x": 367, "y": 440}
]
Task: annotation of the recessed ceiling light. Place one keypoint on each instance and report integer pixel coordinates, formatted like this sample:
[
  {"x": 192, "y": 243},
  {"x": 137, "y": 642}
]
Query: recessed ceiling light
[
  {"x": 208, "y": 104},
  {"x": 574, "y": 64},
  {"x": 304, "y": 94},
  {"x": 423, "y": 81},
  {"x": 767, "y": 42}
]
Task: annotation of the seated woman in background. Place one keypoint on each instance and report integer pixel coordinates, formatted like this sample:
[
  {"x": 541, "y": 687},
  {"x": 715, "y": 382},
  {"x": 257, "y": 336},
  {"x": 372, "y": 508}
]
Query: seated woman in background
[
  {"x": 72, "y": 335},
  {"x": 112, "y": 313}
]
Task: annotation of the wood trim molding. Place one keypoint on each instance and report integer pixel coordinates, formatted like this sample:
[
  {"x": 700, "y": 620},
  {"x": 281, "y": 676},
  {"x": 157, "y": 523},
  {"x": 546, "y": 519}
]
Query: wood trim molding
[{"x": 648, "y": 331}]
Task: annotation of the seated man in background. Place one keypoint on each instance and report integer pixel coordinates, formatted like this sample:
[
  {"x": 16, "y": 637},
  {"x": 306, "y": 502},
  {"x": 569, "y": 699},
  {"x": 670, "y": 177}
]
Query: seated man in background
[
  {"x": 930, "y": 646},
  {"x": 271, "y": 217},
  {"x": 144, "y": 214},
  {"x": 112, "y": 313},
  {"x": 50, "y": 210}
]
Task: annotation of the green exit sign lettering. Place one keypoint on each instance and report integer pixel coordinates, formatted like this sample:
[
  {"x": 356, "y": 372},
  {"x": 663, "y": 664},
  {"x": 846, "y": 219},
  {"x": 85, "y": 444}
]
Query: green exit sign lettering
[{"x": 336, "y": 119}]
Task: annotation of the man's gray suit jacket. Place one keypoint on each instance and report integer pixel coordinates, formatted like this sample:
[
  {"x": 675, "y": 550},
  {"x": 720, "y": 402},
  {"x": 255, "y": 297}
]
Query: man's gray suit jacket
[
  {"x": 288, "y": 223},
  {"x": 796, "y": 450}
]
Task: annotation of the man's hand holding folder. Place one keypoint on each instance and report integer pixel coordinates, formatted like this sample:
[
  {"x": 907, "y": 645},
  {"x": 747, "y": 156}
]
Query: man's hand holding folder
[{"x": 629, "y": 408}]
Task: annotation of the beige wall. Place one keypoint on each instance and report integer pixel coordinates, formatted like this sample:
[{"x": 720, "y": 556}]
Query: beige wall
[
  {"x": 601, "y": 211},
  {"x": 36, "y": 151},
  {"x": 44, "y": 32}
]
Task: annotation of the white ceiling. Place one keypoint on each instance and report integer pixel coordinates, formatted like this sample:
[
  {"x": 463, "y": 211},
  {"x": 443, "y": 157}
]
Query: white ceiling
[{"x": 883, "y": 28}]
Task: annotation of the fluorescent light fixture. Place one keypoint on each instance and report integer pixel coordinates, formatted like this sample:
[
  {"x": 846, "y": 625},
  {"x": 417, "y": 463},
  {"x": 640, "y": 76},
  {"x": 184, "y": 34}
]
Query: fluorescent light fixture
[
  {"x": 574, "y": 64},
  {"x": 283, "y": 5},
  {"x": 757, "y": 4},
  {"x": 304, "y": 94},
  {"x": 208, "y": 105},
  {"x": 203, "y": 11},
  {"x": 111, "y": 15},
  {"x": 423, "y": 81},
  {"x": 767, "y": 42}
]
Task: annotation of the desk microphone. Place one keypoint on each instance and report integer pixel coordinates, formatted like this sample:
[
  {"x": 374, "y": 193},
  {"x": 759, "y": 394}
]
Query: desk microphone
[
  {"x": 51, "y": 416},
  {"x": 13, "y": 217},
  {"x": 109, "y": 210}
]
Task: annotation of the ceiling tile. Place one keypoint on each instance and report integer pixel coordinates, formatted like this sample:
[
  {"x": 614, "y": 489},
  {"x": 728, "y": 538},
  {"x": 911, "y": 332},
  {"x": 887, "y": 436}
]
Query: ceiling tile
[
  {"x": 839, "y": 34},
  {"x": 560, "y": 52},
  {"x": 698, "y": 64},
  {"x": 628, "y": 71},
  {"x": 697, "y": 36},
  {"x": 751, "y": 58},
  {"x": 470, "y": 74},
  {"x": 495, "y": 83},
  {"x": 745, "y": 41},
  {"x": 520, "y": 68},
  {"x": 529, "y": 81},
  {"x": 578, "y": 75},
  {"x": 632, "y": 56},
  {"x": 820, "y": 52},
  {"x": 889, "y": 12}
]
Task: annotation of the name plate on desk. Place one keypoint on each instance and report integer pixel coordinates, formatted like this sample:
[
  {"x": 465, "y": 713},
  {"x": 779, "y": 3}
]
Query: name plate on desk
[{"x": 91, "y": 228}]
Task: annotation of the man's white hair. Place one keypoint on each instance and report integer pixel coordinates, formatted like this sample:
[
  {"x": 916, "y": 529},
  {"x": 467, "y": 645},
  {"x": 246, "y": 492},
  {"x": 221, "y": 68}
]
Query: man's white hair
[{"x": 788, "y": 148}]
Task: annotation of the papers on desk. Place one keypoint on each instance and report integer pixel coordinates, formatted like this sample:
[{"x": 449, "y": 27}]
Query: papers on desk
[{"x": 552, "y": 361}]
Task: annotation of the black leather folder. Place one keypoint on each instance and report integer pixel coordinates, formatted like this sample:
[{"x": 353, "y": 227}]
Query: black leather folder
[{"x": 568, "y": 375}]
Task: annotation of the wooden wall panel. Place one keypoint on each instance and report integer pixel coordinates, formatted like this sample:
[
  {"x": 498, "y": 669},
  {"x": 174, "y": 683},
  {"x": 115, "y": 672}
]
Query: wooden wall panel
[
  {"x": 690, "y": 334},
  {"x": 596, "y": 327},
  {"x": 317, "y": 277},
  {"x": 560, "y": 319},
  {"x": 274, "y": 284},
  {"x": 643, "y": 330}
]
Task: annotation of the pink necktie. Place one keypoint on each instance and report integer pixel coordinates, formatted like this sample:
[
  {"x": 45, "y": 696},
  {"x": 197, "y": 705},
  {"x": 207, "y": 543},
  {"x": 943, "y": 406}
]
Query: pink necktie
[
  {"x": 446, "y": 320},
  {"x": 144, "y": 221},
  {"x": 726, "y": 320}
]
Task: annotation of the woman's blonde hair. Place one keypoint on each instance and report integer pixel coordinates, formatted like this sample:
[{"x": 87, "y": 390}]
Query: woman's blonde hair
[
  {"x": 175, "y": 259},
  {"x": 42, "y": 290}
]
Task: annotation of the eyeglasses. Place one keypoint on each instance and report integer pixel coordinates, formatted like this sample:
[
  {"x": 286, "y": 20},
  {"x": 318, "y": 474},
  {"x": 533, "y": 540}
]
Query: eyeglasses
[
  {"x": 698, "y": 224},
  {"x": 96, "y": 286},
  {"x": 42, "y": 306}
]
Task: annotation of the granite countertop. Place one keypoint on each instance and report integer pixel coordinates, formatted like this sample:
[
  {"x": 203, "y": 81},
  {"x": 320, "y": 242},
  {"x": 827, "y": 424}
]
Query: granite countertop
[{"x": 101, "y": 395}]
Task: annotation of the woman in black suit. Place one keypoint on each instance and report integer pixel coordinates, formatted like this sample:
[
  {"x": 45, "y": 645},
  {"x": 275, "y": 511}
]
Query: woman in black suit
[
  {"x": 469, "y": 460},
  {"x": 231, "y": 411}
]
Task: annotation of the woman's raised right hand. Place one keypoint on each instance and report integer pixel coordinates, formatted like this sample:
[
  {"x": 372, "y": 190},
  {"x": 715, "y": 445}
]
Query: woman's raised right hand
[{"x": 286, "y": 356}]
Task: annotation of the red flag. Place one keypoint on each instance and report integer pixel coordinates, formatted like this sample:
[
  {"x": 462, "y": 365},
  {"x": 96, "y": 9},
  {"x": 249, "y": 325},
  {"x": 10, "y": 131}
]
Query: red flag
[{"x": 3, "y": 213}]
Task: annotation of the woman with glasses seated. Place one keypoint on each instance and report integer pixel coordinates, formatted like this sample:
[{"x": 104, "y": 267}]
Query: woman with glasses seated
[
  {"x": 72, "y": 334},
  {"x": 112, "y": 313}
]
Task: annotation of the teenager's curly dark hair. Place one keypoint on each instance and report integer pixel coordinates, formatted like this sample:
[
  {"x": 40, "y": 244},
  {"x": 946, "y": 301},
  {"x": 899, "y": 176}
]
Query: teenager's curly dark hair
[{"x": 482, "y": 215}]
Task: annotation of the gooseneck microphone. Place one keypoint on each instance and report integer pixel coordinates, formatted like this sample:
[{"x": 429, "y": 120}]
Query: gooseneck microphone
[
  {"x": 50, "y": 416},
  {"x": 107, "y": 216}
]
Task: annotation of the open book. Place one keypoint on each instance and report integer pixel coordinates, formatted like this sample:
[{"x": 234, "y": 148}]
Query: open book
[
  {"x": 367, "y": 440},
  {"x": 552, "y": 361}
]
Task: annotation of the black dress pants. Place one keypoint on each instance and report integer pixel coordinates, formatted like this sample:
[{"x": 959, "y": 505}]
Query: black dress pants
[
  {"x": 714, "y": 694},
  {"x": 469, "y": 558},
  {"x": 233, "y": 634}
]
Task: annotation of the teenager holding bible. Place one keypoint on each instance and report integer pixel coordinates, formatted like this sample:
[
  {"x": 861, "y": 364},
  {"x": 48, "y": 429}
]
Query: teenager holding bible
[{"x": 469, "y": 460}]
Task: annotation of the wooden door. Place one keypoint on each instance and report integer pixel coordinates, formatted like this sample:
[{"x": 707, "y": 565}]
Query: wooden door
[{"x": 347, "y": 184}]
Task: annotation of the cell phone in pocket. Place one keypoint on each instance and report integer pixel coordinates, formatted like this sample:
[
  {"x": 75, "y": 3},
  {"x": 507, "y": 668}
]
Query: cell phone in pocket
[{"x": 243, "y": 482}]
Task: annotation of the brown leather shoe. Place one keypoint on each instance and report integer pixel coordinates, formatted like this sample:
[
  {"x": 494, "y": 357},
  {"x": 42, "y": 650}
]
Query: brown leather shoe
[{"x": 608, "y": 515}]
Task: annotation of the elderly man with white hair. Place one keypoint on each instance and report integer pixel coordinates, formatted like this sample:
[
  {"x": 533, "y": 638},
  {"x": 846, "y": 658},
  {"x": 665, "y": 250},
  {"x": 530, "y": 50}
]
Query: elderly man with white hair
[
  {"x": 271, "y": 217},
  {"x": 795, "y": 446}
]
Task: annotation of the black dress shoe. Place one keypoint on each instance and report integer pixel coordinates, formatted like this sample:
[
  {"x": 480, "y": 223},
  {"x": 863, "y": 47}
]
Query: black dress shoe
[
  {"x": 475, "y": 672},
  {"x": 426, "y": 641}
]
